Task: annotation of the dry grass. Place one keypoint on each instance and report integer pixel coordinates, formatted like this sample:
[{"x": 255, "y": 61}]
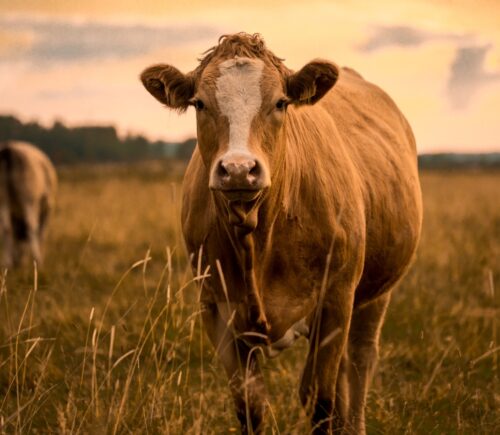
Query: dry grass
[{"x": 107, "y": 337}]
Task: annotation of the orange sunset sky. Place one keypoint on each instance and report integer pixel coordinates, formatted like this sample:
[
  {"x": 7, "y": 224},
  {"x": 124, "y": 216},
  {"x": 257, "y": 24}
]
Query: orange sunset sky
[{"x": 79, "y": 61}]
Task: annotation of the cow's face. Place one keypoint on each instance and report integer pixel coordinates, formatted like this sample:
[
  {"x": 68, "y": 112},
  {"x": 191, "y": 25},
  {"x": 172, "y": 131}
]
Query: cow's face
[{"x": 241, "y": 106}]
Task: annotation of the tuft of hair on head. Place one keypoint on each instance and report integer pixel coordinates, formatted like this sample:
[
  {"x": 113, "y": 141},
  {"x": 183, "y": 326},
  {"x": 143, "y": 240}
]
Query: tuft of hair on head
[{"x": 244, "y": 45}]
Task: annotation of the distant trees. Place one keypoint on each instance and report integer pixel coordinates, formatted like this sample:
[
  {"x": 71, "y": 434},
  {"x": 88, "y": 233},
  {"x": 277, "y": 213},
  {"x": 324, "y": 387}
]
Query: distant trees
[
  {"x": 459, "y": 160},
  {"x": 90, "y": 143}
]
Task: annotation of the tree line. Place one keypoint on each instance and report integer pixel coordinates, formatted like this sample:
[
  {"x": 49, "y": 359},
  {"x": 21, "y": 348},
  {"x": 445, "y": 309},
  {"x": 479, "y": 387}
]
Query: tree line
[{"x": 90, "y": 144}]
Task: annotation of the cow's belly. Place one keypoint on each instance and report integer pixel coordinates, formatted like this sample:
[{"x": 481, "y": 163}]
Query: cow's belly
[{"x": 388, "y": 257}]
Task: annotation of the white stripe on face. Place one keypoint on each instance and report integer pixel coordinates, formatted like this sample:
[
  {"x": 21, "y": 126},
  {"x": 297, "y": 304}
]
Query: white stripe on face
[{"x": 239, "y": 98}]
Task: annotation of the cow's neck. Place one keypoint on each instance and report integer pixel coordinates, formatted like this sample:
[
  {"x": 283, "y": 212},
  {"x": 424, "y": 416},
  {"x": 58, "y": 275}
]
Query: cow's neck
[{"x": 240, "y": 221}]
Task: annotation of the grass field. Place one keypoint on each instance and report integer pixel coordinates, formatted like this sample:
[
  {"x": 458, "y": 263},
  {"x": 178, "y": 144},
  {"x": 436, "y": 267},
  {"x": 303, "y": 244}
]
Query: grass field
[{"x": 106, "y": 338}]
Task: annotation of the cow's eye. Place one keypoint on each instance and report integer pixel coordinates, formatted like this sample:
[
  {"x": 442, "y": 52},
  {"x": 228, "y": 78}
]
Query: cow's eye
[
  {"x": 281, "y": 104},
  {"x": 199, "y": 105}
]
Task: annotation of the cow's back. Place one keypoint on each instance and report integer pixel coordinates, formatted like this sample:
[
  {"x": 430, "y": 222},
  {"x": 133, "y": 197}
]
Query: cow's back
[
  {"x": 28, "y": 176},
  {"x": 31, "y": 166}
]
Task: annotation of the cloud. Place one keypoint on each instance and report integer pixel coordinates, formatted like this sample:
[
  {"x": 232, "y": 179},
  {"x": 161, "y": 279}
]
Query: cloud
[
  {"x": 66, "y": 41},
  {"x": 404, "y": 36},
  {"x": 468, "y": 74}
]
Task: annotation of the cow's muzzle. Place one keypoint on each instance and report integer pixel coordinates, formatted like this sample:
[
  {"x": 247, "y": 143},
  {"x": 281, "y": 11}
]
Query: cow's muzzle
[{"x": 239, "y": 177}]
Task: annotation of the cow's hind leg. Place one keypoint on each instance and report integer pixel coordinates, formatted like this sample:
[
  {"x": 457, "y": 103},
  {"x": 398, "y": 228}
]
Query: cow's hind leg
[
  {"x": 342, "y": 389},
  {"x": 32, "y": 217},
  {"x": 364, "y": 335},
  {"x": 242, "y": 369},
  {"x": 320, "y": 378},
  {"x": 43, "y": 218}
]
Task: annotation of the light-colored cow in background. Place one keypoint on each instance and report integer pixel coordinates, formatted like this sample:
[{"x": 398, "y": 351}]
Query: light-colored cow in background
[{"x": 28, "y": 184}]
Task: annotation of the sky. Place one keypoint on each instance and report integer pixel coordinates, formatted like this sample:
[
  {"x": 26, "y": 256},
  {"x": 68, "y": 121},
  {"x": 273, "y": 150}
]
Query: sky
[{"x": 79, "y": 61}]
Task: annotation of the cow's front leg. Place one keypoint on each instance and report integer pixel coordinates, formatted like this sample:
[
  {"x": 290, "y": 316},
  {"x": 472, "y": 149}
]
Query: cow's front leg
[
  {"x": 318, "y": 385},
  {"x": 241, "y": 365}
]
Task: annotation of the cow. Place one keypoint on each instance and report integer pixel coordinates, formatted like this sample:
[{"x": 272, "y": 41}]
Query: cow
[
  {"x": 302, "y": 198},
  {"x": 28, "y": 185}
]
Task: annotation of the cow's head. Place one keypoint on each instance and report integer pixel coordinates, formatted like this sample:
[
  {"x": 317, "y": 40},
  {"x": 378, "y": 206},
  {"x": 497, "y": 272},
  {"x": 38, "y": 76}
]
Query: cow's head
[{"x": 240, "y": 92}]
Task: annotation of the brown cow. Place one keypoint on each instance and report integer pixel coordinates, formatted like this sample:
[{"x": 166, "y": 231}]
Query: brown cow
[
  {"x": 303, "y": 198},
  {"x": 27, "y": 189}
]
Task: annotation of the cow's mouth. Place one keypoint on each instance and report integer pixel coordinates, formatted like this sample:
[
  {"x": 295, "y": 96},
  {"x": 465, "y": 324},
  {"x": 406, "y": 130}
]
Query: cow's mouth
[
  {"x": 243, "y": 195},
  {"x": 243, "y": 208}
]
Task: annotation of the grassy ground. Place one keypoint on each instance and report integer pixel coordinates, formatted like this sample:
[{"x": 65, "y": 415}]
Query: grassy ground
[{"x": 107, "y": 337}]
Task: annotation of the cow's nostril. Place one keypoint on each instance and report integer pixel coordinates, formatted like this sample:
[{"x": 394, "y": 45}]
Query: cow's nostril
[
  {"x": 255, "y": 170},
  {"x": 221, "y": 170}
]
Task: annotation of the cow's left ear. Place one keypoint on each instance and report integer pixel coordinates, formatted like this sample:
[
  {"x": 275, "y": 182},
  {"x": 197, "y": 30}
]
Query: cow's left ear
[
  {"x": 169, "y": 86},
  {"x": 312, "y": 82}
]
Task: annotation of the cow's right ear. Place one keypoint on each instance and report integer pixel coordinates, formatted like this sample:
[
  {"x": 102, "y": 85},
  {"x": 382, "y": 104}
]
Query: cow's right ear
[{"x": 169, "y": 86}]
